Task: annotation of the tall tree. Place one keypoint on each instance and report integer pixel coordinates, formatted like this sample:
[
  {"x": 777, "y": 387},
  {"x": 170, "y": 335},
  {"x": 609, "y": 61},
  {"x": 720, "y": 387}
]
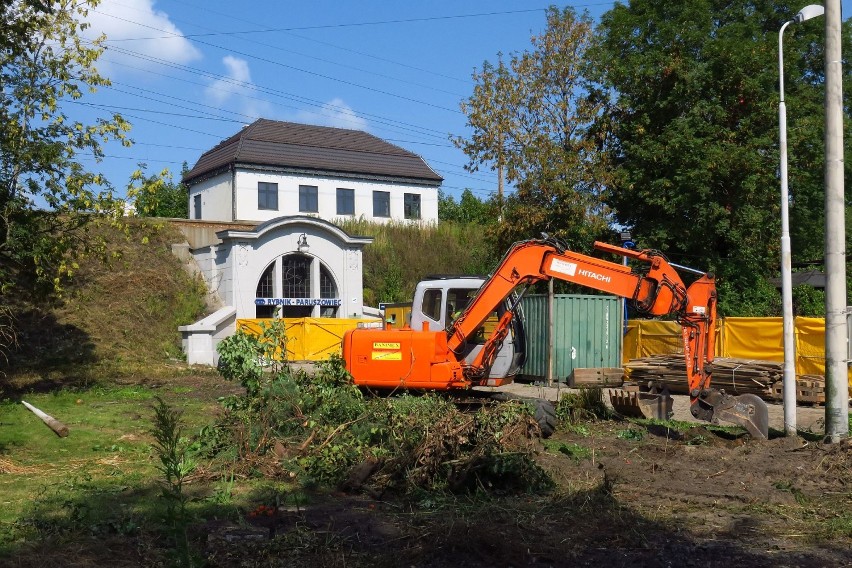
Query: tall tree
[
  {"x": 529, "y": 118},
  {"x": 694, "y": 135},
  {"x": 47, "y": 195}
]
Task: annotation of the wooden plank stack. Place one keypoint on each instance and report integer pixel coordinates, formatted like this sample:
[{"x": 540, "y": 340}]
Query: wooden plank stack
[{"x": 735, "y": 376}]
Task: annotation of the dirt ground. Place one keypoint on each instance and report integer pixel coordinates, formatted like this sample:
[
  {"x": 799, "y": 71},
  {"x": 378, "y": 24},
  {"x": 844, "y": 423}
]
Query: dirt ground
[
  {"x": 640, "y": 496},
  {"x": 655, "y": 498}
]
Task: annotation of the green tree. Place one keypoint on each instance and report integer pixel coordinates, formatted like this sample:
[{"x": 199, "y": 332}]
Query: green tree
[
  {"x": 693, "y": 130},
  {"x": 529, "y": 118},
  {"x": 47, "y": 196},
  {"x": 158, "y": 195},
  {"x": 468, "y": 209}
]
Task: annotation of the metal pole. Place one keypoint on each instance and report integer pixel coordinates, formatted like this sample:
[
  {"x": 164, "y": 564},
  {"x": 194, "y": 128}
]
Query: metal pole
[
  {"x": 837, "y": 394},
  {"x": 551, "y": 330},
  {"x": 789, "y": 382}
]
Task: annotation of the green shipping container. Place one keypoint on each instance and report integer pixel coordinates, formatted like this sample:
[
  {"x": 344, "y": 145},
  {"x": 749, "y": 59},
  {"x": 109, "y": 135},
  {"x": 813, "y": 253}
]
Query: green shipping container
[{"x": 587, "y": 334}]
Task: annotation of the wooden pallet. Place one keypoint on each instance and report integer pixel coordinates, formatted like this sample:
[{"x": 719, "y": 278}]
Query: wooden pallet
[
  {"x": 596, "y": 377},
  {"x": 810, "y": 389}
]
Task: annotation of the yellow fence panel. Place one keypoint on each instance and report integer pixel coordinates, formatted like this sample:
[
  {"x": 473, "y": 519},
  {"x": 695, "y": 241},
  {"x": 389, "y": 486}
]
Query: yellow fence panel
[
  {"x": 308, "y": 339},
  {"x": 630, "y": 346},
  {"x": 810, "y": 346},
  {"x": 751, "y": 338},
  {"x": 651, "y": 337},
  {"x": 324, "y": 336},
  {"x": 293, "y": 329}
]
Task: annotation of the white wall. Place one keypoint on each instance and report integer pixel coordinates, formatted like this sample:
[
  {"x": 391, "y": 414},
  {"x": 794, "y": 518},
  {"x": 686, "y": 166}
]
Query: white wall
[
  {"x": 288, "y": 197},
  {"x": 215, "y": 198}
]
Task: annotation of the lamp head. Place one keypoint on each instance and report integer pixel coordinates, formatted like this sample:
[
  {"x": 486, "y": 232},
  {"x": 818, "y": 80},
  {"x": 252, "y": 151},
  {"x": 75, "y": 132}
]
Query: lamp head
[
  {"x": 808, "y": 12},
  {"x": 302, "y": 243}
]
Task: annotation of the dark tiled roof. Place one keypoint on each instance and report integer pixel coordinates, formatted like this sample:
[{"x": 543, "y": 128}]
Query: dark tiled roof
[{"x": 272, "y": 143}]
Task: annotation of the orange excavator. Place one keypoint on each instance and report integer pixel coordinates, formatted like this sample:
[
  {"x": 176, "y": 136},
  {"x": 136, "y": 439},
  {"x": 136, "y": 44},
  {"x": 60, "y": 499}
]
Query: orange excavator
[{"x": 439, "y": 359}]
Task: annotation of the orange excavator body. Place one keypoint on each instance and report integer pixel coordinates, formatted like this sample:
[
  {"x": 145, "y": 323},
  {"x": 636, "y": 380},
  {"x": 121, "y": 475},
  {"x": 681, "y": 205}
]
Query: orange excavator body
[{"x": 432, "y": 359}]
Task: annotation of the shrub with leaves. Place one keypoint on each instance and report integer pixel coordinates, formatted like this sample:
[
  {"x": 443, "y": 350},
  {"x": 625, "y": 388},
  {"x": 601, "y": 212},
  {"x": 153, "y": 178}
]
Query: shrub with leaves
[
  {"x": 324, "y": 429},
  {"x": 175, "y": 466},
  {"x": 245, "y": 357}
]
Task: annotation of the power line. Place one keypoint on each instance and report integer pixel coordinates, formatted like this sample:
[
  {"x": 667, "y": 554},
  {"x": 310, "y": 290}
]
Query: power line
[
  {"x": 351, "y": 24},
  {"x": 232, "y": 17},
  {"x": 315, "y": 58},
  {"x": 292, "y": 67},
  {"x": 423, "y": 131}
]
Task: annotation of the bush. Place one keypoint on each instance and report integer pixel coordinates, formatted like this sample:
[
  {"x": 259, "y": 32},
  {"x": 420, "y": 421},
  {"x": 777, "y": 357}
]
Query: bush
[{"x": 324, "y": 430}]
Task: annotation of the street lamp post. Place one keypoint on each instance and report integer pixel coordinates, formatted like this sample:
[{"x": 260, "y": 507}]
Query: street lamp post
[
  {"x": 626, "y": 242},
  {"x": 789, "y": 382}
]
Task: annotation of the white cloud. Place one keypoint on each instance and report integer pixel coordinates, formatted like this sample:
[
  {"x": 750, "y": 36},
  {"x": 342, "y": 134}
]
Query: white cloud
[
  {"x": 334, "y": 113},
  {"x": 126, "y": 20},
  {"x": 237, "y": 84}
]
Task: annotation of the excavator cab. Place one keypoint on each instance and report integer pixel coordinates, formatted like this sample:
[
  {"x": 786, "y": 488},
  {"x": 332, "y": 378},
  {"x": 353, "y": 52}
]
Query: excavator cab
[{"x": 440, "y": 299}]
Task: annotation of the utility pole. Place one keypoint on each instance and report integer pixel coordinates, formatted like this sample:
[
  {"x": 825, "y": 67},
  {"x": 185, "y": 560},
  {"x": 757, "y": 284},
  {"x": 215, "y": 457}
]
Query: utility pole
[{"x": 836, "y": 385}]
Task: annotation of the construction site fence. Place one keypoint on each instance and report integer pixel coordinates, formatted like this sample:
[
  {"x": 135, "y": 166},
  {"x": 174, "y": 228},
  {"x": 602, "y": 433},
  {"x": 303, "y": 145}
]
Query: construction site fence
[
  {"x": 739, "y": 338},
  {"x": 316, "y": 339}
]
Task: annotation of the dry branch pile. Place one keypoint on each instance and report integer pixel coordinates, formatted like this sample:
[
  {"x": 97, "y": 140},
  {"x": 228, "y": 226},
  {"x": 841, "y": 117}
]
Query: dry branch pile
[{"x": 735, "y": 376}]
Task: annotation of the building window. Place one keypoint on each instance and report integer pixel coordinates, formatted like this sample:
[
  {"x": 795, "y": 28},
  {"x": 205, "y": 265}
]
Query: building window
[
  {"x": 267, "y": 196},
  {"x": 265, "y": 290},
  {"x": 345, "y": 201},
  {"x": 296, "y": 276},
  {"x": 196, "y": 206},
  {"x": 381, "y": 204},
  {"x": 296, "y": 283},
  {"x": 328, "y": 289},
  {"x": 308, "y": 199},
  {"x": 412, "y": 206}
]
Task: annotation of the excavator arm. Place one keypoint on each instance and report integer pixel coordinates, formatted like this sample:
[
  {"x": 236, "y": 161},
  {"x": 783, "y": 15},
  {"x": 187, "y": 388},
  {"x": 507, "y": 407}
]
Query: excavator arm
[{"x": 658, "y": 290}]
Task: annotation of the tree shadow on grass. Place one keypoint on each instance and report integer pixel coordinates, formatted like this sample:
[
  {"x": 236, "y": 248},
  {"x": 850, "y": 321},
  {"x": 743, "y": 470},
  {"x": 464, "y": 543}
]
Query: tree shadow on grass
[
  {"x": 86, "y": 525},
  {"x": 49, "y": 356}
]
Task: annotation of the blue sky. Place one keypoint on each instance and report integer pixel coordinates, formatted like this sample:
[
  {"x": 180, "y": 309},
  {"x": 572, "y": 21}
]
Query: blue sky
[{"x": 190, "y": 73}]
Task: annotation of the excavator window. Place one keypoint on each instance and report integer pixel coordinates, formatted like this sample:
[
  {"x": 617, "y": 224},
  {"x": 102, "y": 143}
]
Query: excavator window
[
  {"x": 431, "y": 306},
  {"x": 457, "y": 302}
]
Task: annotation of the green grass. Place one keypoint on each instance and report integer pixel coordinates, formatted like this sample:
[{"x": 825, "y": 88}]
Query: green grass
[
  {"x": 92, "y": 471},
  {"x": 575, "y": 451}
]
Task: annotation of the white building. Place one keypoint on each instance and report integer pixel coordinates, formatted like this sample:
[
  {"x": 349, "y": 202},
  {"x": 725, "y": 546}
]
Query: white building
[{"x": 272, "y": 169}]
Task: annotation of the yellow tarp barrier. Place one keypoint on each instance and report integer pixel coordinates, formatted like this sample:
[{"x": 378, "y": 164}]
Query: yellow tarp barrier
[
  {"x": 810, "y": 346},
  {"x": 751, "y": 338},
  {"x": 739, "y": 338},
  {"x": 651, "y": 337},
  {"x": 309, "y": 339}
]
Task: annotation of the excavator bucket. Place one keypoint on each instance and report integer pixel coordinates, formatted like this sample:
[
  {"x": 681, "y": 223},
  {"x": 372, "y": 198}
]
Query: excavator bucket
[
  {"x": 746, "y": 410},
  {"x": 652, "y": 405}
]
